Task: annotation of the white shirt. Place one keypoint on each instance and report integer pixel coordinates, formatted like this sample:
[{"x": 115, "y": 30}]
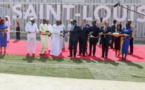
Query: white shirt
[
  {"x": 56, "y": 29},
  {"x": 50, "y": 28},
  {"x": 69, "y": 27},
  {"x": 62, "y": 26},
  {"x": 43, "y": 28},
  {"x": 100, "y": 24},
  {"x": 33, "y": 29},
  {"x": 8, "y": 24}
]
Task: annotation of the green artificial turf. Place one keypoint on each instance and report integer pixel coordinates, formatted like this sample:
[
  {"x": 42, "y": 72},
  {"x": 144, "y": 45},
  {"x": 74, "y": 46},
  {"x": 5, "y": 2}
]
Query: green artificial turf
[{"x": 73, "y": 68}]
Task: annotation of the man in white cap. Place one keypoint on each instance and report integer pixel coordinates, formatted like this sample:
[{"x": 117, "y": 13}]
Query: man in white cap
[{"x": 31, "y": 28}]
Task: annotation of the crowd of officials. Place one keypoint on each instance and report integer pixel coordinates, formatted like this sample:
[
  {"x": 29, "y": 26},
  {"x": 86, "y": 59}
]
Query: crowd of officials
[{"x": 85, "y": 36}]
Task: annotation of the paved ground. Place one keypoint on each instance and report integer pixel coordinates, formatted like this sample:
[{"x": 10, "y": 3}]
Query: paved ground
[{"x": 21, "y": 82}]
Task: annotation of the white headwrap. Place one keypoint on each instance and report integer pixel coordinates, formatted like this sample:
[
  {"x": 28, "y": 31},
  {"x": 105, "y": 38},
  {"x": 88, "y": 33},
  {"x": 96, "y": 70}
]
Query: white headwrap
[{"x": 9, "y": 20}]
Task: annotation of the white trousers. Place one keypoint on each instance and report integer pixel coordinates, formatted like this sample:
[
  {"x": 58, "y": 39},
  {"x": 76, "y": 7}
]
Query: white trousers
[
  {"x": 8, "y": 34},
  {"x": 44, "y": 43},
  {"x": 49, "y": 43},
  {"x": 31, "y": 43}
]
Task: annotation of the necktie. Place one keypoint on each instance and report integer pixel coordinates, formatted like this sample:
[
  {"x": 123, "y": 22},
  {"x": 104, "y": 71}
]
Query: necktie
[{"x": 105, "y": 29}]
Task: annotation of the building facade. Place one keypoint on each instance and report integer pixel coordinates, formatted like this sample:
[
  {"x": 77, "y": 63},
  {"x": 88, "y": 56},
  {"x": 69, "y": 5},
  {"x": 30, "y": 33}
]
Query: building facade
[{"x": 75, "y": 9}]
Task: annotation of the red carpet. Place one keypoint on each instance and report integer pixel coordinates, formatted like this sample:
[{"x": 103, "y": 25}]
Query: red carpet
[{"x": 19, "y": 48}]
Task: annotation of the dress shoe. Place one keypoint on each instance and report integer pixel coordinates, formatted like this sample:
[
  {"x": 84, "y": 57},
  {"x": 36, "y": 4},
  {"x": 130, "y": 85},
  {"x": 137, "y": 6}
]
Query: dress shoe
[
  {"x": 28, "y": 54},
  {"x": 70, "y": 56},
  {"x": 33, "y": 54},
  {"x": 41, "y": 54}
]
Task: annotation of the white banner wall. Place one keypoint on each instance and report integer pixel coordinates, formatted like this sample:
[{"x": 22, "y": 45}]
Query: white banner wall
[{"x": 56, "y": 9}]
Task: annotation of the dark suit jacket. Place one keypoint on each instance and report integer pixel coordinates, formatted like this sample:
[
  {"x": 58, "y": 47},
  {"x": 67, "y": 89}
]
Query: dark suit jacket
[
  {"x": 113, "y": 28},
  {"x": 107, "y": 37},
  {"x": 74, "y": 34},
  {"x": 83, "y": 33},
  {"x": 95, "y": 32}
]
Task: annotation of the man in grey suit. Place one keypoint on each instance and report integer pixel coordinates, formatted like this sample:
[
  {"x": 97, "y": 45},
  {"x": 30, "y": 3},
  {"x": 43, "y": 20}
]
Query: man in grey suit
[{"x": 106, "y": 29}]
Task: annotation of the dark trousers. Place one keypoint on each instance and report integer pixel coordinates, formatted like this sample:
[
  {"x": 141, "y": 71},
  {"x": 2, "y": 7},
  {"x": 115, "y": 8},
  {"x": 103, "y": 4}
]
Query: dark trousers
[
  {"x": 131, "y": 46},
  {"x": 82, "y": 47},
  {"x": 92, "y": 46},
  {"x": 105, "y": 45},
  {"x": 18, "y": 33},
  {"x": 112, "y": 42},
  {"x": 73, "y": 48}
]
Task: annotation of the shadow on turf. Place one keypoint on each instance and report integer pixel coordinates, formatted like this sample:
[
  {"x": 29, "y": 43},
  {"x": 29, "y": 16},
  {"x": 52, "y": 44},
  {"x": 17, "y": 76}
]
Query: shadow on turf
[
  {"x": 133, "y": 64},
  {"x": 2, "y": 56},
  {"x": 114, "y": 63},
  {"x": 137, "y": 76},
  {"x": 76, "y": 60},
  {"x": 58, "y": 59},
  {"x": 29, "y": 59}
]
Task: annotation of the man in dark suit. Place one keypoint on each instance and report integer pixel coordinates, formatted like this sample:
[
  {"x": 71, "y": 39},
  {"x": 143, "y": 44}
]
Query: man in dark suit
[
  {"x": 113, "y": 29},
  {"x": 83, "y": 37},
  {"x": 106, "y": 29},
  {"x": 94, "y": 31},
  {"x": 73, "y": 39}
]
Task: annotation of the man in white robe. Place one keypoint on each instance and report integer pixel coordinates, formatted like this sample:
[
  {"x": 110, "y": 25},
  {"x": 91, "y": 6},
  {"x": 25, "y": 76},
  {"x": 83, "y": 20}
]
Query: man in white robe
[
  {"x": 8, "y": 23},
  {"x": 31, "y": 28},
  {"x": 49, "y": 36},
  {"x": 63, "y": 29},
  {"x": 56, "y": 40},
  {"x": 44, "y": 36}
]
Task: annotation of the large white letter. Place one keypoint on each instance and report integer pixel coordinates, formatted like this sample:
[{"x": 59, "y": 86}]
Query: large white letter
[
  {"x": 30, "y": 12},
  {"x": 108, "y": 14},
  {"x": 55, "y": 14},
  {"x": 124, "y": 14},
  {"x": 18, "y": 12},
  {"x": 140, "y": 11},
  {"x": 41, "y": 12},
  {"x": 132, "y": 13},
  {"x": 85, "y": 13},
  {"x": 68, "y": 7}
]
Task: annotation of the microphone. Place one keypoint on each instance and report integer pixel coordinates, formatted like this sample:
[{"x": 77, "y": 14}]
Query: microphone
[{"x": 117, "y": 4}]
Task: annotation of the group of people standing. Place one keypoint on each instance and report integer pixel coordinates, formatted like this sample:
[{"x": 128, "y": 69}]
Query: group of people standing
[
  {"x": 52, "y": 37},
  {"x": 122, "y": 43},
  {"x": 87, "y": 36}
]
